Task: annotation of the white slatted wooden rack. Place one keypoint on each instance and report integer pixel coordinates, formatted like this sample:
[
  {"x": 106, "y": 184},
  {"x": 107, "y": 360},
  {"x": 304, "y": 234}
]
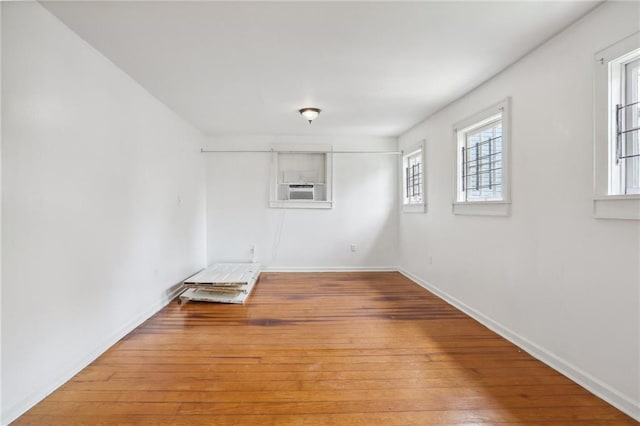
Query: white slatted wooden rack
[{"x": 222, "y": 282}]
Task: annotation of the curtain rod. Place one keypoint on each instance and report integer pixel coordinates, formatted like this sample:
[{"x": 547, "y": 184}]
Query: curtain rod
[{"x": 270, "y": 151}]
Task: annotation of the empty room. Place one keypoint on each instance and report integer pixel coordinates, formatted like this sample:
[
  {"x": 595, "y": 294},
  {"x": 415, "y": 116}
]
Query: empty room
[{"x": 320, "y": 213}]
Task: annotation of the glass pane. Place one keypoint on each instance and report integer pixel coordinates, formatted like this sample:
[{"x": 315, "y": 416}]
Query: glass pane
[
  {"x": 413, "y": 178},
  {"x": 632, "y": 138},
  {"x": 482, "y": 171}
]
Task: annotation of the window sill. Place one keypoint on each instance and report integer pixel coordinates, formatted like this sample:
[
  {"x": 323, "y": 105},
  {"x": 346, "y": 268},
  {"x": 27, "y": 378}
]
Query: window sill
[
  {"x": 414, "y": 208},
  {"x": 625, "y": 207},
  {"x": 482, "y": 208},
  {"x": 288, "y": 204}
]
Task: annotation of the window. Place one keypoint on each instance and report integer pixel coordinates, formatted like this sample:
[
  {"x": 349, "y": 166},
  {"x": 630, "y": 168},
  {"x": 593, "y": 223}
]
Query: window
[
  {"x": 617, "y": 131},
  {"x": 481, "y": 145},
  {"x": 623, "y": 106},
  {"x": 301, "y": 177},
  {"x": 481, "y": 162},
  {"x": 628, "y": 129},
  {"x": 413, "y": 178}
]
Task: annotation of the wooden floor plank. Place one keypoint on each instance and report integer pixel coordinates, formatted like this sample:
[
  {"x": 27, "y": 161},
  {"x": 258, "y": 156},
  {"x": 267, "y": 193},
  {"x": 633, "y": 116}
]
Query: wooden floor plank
[{"x": 320, "y": 349}]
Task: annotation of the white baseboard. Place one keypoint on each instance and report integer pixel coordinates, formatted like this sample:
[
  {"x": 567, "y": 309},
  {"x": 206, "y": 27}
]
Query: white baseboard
[
  {"x": 622, "y": 402},
  {"x": 330, "y": 269},
  {"x": 9, "y": 414}
]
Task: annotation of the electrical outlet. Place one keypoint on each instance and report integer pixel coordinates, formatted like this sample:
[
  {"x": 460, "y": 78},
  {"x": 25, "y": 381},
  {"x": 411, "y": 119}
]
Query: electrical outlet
[
  {"x": 353, "y": 247},
  {"x": 430, "y": 260}
]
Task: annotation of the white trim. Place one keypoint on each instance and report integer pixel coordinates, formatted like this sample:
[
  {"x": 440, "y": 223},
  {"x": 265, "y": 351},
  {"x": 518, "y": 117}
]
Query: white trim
[
  {"x": 459, "y": 130},
  {"x": 9, "y": 414},
  {"x": 481, "y": 118},
  {"x": 482, "y": 208},
  {"x": 622, "y": 402},
  {"x": 617, "y": 197},
  {"x": 624, "y": 207},
  {"x": 330, "y": 269},
  {"x": 289, "y": 204},
  {"x": 414, "y": 208}
]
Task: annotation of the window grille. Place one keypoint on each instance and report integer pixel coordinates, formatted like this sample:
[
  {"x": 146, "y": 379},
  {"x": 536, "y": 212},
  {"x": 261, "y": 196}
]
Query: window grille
[
  {"x": 414, "y": 178},
  {"x": 626, "y": 147},
  {"x": 482, "y": 165},
  {"x": 627, "y": 130}
]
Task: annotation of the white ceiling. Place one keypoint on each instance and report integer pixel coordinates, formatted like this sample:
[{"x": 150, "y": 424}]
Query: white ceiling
[{"x": 374, "y": 68}]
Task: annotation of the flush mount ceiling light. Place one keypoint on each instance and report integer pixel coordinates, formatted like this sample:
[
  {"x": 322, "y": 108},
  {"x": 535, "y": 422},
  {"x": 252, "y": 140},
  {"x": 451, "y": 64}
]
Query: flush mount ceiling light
[{"x": 310, "y": 113}]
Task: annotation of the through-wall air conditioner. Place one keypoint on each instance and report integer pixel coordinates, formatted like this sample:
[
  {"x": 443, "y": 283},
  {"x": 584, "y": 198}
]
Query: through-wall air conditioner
[{"x": 301, "y": 191}]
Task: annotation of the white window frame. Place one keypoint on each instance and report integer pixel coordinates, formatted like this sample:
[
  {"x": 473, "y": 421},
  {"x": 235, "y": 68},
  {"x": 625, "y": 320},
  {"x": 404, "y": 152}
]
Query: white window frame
[
  {"x": 609, "y": 84},
  {"x": 500, "y": 207},
  {"x": 409, "y": 204},
  {"x": 284, "y": 149}
]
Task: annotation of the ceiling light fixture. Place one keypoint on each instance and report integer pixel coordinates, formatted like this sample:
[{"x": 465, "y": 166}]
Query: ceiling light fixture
[{"x": 310, "y": 113}]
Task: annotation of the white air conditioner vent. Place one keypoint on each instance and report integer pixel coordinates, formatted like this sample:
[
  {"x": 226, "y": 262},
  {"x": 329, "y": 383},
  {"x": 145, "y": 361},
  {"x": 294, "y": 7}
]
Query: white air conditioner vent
[{"x": 301, "y": 191}]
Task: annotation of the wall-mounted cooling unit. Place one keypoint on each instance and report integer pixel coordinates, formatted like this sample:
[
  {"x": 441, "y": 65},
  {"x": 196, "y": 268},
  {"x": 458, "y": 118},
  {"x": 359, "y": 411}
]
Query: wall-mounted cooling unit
[
  {"x": 301, "y": 191},
  {"x": 301, "y": 177}
]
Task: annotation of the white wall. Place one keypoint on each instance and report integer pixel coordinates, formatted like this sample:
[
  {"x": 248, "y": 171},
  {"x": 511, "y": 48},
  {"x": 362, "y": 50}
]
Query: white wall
[
  {"x": 102, "y": 198},
  {"x": 364, "y": 211},
  {"x": 0, "y": 214},
  {"x": 550, "y": 277}
]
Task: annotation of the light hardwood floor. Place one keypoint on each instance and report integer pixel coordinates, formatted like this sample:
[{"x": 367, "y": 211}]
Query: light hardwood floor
[{"x": 319, "y": 349}]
